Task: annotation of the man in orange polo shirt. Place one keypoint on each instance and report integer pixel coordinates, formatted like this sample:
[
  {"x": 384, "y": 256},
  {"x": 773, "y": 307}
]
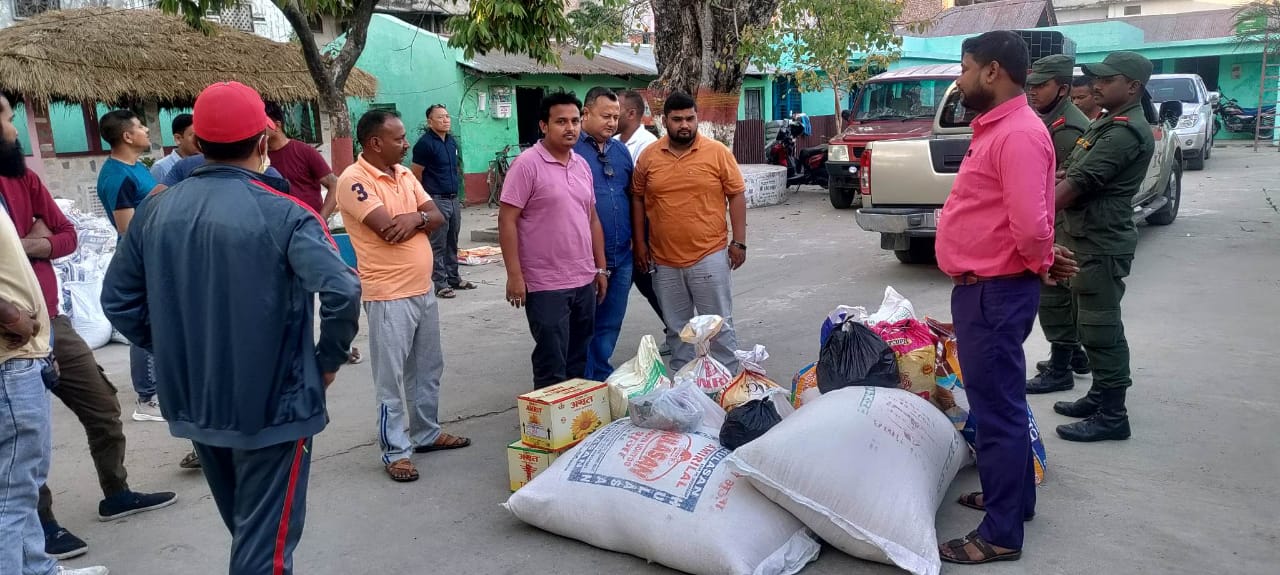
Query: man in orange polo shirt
[
  {"x": 682, "y": 184},
  {"x": 389, "y": 217}
]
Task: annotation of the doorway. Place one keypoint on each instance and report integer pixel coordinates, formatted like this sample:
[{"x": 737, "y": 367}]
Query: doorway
[
  {"x": 1206, "y": 67},
  {"x": 527, "y": 115}
]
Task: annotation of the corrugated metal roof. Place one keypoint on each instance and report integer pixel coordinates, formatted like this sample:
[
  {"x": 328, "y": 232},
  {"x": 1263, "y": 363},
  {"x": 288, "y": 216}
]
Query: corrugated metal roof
[
  {"x": 613, "y": 60},
  {"x": 1185, "y": 26},
  {"x": 988, "y": 16},
  {"x": 919, "y": 10}
]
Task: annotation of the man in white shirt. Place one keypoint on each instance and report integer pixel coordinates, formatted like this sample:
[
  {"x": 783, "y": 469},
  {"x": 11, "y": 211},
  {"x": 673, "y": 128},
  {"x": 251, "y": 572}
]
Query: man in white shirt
[
  {"x": 184, "y": 142},
  {"x": 631, "y": 130}
]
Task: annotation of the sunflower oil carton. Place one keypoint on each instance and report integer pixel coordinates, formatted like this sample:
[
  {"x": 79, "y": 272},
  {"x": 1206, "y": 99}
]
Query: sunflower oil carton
[
  {"x": 559, "y": 416},
  {"x": 524, "y": 462}
]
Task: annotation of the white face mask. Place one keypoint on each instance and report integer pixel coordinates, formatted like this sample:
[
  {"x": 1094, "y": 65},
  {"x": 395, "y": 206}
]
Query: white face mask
[{"x": 266, "y": 158}]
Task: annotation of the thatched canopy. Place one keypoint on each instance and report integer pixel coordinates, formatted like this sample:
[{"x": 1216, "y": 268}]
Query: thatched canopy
[{"x": 113, "y": 55}]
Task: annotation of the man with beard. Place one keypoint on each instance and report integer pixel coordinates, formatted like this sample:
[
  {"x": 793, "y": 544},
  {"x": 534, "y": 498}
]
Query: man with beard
[
  {"x": 611, "y": 169},
  {"x": 123, "y": 183},
  {"x": 1082, "y": 97},
  {"x": 1095, "y": 192},
  {"x": 995, "y": 240},
  {"x": 682, "y": 185},
  {"x": 554, "y": 244},
  {"x": 82, "y": 385},
  {"x": 1048, "y": 85},
  {"x": 390, "y": 218},
  {"x": 218, "y": 279},
  {"x": 25, "y": 367}
]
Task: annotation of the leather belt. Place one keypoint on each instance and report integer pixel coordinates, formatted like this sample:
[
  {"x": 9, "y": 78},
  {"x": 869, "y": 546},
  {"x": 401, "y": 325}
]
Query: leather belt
[{"x": 968, "y": 279}]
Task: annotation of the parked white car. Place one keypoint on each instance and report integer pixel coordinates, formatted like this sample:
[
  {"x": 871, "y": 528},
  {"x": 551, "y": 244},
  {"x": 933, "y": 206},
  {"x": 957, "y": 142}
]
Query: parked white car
[{"x": 1195, "y": 129}]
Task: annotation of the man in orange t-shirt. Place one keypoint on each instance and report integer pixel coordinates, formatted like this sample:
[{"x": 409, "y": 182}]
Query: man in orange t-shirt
[
  {"x": 681, "y": 184},
  {"x": 389, "y": 218}
]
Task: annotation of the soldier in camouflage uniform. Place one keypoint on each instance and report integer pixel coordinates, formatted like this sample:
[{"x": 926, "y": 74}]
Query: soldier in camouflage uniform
[
  {"x": 1049, "y": 89},
  {"x": 1095, "y": 194}
]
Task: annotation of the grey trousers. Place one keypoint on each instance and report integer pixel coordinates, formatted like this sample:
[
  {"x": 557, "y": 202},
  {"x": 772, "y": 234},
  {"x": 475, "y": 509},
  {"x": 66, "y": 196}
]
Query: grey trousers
[
  {"x": 704, "y": 288},
  {"x": 444, "y": 244},
  {"x": 406, "y": 357}
]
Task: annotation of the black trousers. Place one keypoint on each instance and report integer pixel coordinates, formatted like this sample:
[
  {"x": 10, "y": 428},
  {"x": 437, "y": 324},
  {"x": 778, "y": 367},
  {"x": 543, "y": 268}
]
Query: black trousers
[
  {"x": 644, "y": 284},
  {"x": 261, "y": 495},
  {"x": 562, "y": 323}
]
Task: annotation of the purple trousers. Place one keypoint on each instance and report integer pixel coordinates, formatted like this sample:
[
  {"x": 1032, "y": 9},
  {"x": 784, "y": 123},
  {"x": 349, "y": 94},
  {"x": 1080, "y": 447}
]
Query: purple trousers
[{"x": 992, "y": 320}]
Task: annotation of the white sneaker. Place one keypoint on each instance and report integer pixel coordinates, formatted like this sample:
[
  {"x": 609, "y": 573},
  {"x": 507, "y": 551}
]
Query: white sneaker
[
  {"x": 95, "y": 570},
  {"x": 149, "y": 411}
]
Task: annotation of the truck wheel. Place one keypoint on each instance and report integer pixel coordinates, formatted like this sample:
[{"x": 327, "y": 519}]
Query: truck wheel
[
  {"x": 919, "y": 251},
  {"x": 841, "y": 198},
  {"x": 1165, "y": 216},
  {"x": 1197, "y": 164}
]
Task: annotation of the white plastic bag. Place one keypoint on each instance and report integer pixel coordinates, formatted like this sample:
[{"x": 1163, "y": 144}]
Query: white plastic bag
[
  {"x": 676, "y": 409},
  {"x": 704, "y": 371},
  {"x": 893, "y": 308},
  {"x": 84, "y": 303},
  {"x": 865, "y": 468},
  {"x": 664, "y": 497},
  {"x": 638, "y": 376}
]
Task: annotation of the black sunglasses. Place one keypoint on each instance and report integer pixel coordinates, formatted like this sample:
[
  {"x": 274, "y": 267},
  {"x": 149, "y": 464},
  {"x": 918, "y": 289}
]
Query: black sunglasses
[{"x": 604, "y": 163}]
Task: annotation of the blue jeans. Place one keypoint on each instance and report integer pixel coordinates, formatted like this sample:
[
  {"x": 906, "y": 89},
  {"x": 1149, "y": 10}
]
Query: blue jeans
[
  {"x": 609, "y": 316},
  {"x": 142, "y": 367},
  {"x": 24, "y": 466}
]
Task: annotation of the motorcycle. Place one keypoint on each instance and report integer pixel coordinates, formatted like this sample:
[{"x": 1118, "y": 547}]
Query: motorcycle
[
  {"x": 1237, "y": 119},
  {"x": 806, "y": 166}
]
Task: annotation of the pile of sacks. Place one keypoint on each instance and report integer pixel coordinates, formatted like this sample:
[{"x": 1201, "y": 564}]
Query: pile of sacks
[
  {"x": 712, "y": 473},
  {"x": 80, "y": 276},
  {"x": 893, "y": 348}
]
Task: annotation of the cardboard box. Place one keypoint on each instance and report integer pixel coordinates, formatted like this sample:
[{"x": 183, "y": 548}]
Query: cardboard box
[
  {"x": 524, "y": 462},
  {"x": 556, "y": 417}
]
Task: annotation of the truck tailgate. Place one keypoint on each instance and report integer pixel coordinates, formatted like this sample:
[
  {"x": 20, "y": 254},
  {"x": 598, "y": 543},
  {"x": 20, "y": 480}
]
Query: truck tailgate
[{"x": 914, "y": 172}]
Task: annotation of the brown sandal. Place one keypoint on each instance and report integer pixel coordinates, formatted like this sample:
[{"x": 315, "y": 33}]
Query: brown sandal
[
  {"x": 444, "y": 442},
  {"x": 956, "y": 551},
  {"x": 402, "y": 471},
  {"x": 974, "y": 501}
]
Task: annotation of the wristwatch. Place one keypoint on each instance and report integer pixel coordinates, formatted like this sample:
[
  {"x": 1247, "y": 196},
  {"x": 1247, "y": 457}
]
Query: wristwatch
[
  {"x": 739, "y": 245},
  {"x": 603, "y": 272},
  {"x": 426, "y": 219}
]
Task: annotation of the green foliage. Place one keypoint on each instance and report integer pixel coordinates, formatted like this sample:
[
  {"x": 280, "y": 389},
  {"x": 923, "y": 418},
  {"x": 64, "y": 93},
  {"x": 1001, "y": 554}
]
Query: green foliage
[
  {"x": 1259, "y": 22},
  {"x": 195, "y": 11},
  {"x": 816, "y": 40},
  {"x": 536, "y": 27}
]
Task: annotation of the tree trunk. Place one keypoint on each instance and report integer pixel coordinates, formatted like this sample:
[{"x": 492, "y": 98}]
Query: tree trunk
[
  {"x": 330, "y": 76},
  {"x": 697, "y": 53}
]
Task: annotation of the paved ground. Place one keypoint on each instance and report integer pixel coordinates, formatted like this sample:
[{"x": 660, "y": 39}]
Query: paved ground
[{"x": 1195, "y": 490}]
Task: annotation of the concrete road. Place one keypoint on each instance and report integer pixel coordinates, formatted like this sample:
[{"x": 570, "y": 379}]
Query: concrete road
[{"x": 1194, "y": 491}]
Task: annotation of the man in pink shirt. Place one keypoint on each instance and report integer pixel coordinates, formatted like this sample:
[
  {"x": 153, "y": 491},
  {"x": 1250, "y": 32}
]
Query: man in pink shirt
[
  {"x": 995, "y": 240},
  {"x": 554, "y": 244}
]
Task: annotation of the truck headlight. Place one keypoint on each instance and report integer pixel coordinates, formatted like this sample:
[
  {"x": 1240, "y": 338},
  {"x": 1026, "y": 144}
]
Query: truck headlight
[
  {"x": 1188, "y": 121},
  {"x": 837, "y": 153}
]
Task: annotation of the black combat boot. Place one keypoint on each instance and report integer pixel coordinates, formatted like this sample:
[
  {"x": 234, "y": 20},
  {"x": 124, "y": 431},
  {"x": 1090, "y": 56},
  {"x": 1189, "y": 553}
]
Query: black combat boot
[
  {"x": 1080, "y": 408},
  {"x": 1110, "y": 422},
  {"x": 1079, "y": 362},
  {"x": 1058, "y": 376}
]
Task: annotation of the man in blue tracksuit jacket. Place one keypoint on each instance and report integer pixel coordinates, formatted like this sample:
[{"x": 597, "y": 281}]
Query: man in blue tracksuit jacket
[{"x": 216, "y": 277}]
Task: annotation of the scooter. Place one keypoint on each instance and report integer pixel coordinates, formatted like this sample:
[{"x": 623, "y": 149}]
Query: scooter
[{"x": 807, "y": 166}]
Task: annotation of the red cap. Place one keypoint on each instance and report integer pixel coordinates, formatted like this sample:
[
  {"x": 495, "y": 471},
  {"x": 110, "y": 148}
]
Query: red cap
[{"x": 229, "y": 112}]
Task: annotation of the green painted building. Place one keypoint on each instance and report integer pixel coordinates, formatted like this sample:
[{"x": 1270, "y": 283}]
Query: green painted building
[{"x": 493, "y": 99}]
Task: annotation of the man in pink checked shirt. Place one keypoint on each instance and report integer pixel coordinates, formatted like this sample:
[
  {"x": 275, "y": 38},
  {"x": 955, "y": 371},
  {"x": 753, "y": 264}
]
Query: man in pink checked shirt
[{"x": 995, "y": 240}]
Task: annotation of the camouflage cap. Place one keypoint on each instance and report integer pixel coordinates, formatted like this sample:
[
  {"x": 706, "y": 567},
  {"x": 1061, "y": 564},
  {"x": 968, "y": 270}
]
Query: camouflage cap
[
  {"x": 1129, "y": 64},
  {"x": 1050, "y": 67}
]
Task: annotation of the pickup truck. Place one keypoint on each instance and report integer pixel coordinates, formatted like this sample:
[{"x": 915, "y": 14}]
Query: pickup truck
[
  {"x": 896, "y": 104},
  {"x": 1195, "y": 129},
  {"x": 905, "y": 182}
]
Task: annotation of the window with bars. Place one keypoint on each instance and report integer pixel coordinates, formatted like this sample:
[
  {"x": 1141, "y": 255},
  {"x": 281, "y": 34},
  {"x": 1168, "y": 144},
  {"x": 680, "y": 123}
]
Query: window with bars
[
  {"x": 239, "y": 17},
  {"x": 29, "y": 8}
]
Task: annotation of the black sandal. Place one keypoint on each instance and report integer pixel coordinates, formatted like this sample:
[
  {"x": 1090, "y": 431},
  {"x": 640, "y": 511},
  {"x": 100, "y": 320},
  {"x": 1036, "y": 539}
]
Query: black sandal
[
  {"x": 955, "y": 551},
  {"x": 446, "y": 293},
  {"x": 464, "y": 285},
  {"x": 444, "y": 442}
]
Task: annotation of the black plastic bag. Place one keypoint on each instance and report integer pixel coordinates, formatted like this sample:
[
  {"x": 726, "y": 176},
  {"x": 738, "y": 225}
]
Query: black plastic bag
[
  {"x": 748, "y": 421},
  {"x": 855, "y": 355}
]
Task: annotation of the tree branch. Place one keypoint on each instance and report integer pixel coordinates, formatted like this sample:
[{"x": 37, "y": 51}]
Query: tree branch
[
  {"x": 356, "y": 37},
  {"x": 310, "y": 51}
]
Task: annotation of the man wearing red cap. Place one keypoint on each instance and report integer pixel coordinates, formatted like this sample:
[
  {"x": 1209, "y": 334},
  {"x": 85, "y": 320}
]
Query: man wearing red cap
[{"x": 217, "y": 279}]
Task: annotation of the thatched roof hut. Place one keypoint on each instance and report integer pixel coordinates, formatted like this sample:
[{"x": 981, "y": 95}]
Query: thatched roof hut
[{"x": 112, "y": 55}]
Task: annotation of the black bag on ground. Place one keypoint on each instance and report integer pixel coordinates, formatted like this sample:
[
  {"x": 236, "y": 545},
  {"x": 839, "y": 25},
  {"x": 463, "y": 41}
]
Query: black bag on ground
[
  {"x": 746, "y": 422},
  {"x": 855, "y": 355}
]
